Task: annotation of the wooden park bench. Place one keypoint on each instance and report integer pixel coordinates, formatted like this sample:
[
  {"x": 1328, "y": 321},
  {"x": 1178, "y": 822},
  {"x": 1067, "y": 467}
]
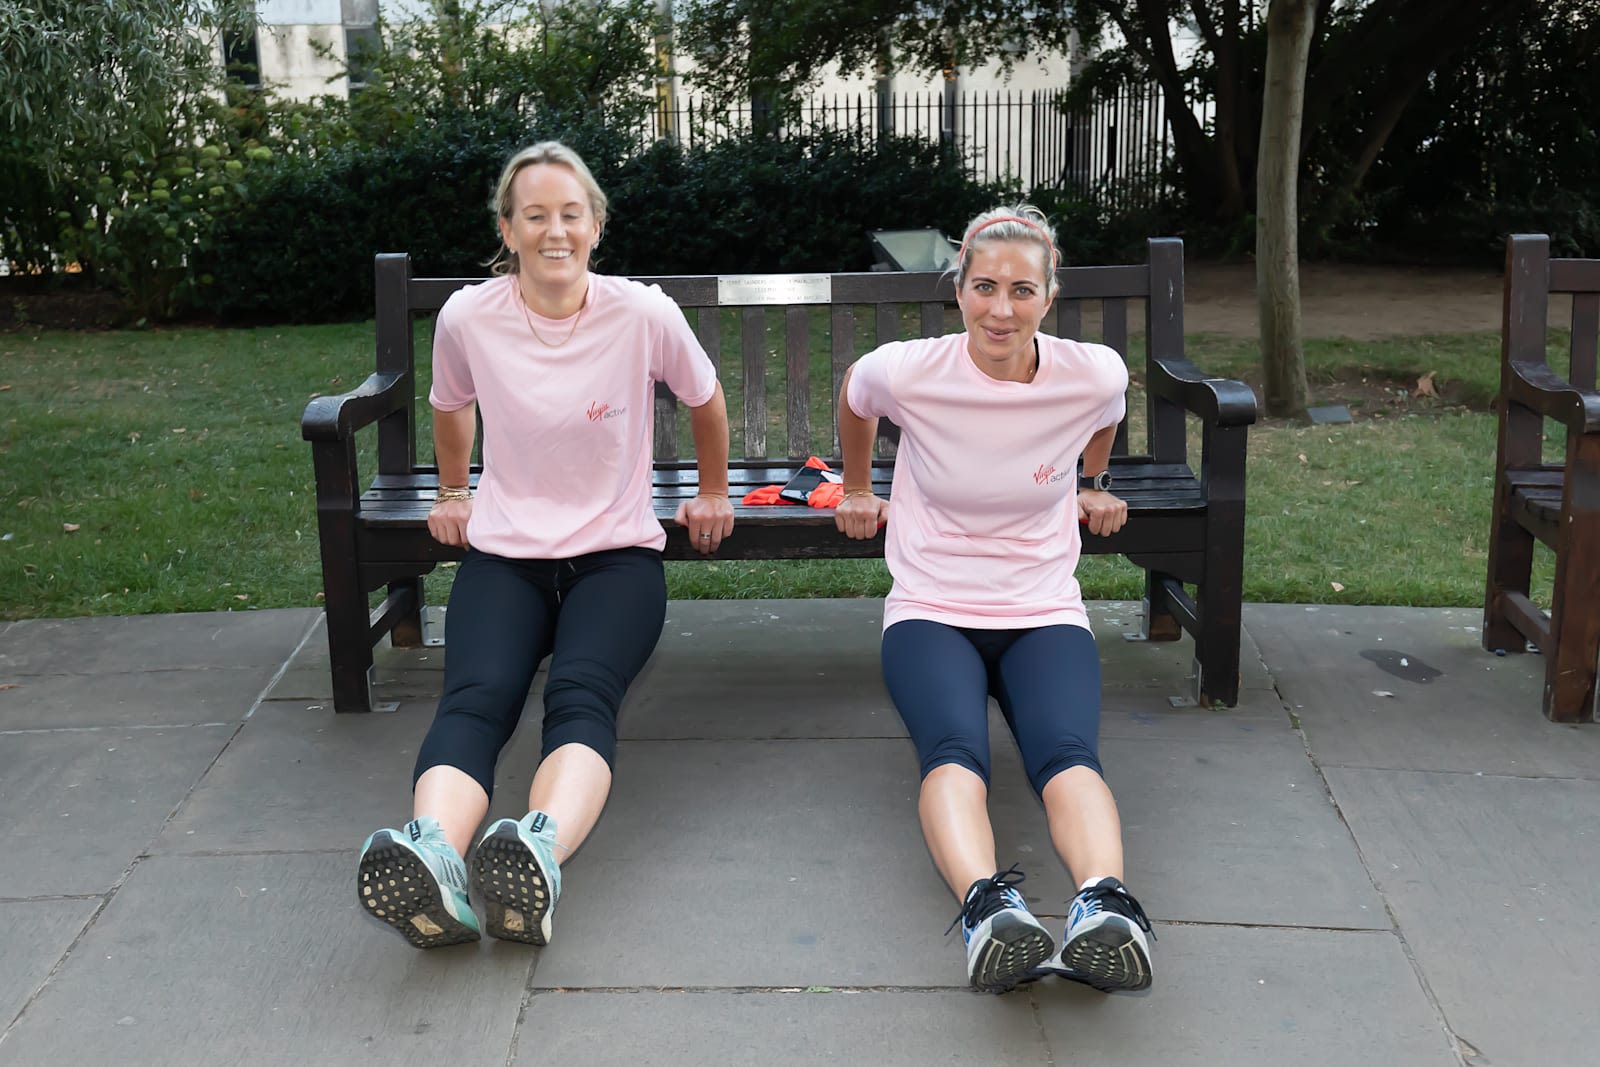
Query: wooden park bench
[
  {"x": 1184, "y": 525},
  {"x": 1556, "y": 503}
]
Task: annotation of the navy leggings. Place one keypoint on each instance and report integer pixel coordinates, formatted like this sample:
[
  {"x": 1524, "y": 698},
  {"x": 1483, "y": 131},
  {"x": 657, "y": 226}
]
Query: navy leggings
[
  {"x": 598, "y": 617},
  {"x": 1046, "y": 681}
]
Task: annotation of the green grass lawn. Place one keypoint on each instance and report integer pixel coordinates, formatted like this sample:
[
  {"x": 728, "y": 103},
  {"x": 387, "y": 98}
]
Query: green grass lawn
[{"x": 163, "y": 471}]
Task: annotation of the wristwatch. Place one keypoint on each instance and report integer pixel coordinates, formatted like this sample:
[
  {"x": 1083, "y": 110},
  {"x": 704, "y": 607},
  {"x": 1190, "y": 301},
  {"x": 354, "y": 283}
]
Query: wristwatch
[{"x": 1101, "y": 481}]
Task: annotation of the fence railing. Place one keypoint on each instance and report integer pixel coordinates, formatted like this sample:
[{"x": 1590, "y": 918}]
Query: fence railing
[{"x": 1115, "y": 151}]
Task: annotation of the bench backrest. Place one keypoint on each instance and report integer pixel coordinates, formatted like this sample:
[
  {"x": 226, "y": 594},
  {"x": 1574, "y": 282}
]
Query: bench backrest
[
  {"x": 803, "y": 300},
  {"x": 1531, "y": 277}
]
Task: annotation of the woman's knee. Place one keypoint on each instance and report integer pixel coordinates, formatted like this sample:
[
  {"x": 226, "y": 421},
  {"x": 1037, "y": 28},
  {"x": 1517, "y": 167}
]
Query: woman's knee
[
  {"x": 1067, "y": 755},
  {"x": 959, "y": 752}
]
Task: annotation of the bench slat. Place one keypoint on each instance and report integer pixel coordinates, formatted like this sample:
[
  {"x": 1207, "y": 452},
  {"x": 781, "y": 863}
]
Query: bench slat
[
  {"x": 797, "y": 341},
  {"x": 844, "y": 353},
  {"x": 1069, "y": 319},
  {"x": 1585, "y": 328},
  {"x": 752, "y": 347},
  {"x": 887, "y": 324}
]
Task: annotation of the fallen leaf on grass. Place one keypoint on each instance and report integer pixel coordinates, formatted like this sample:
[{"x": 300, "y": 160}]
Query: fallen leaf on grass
[
  {"x": 1425, "y": 385},
  {"x": 241, "y": 596},
  {"x": 1338, "y": 587},
  {"x": 69, "y": 527},
  {"x": 180, "y": 429},
  {"x": 1303, "y": 458},
  {"x": 319, "y": 597},
  {"x": 5, "y": 388}
]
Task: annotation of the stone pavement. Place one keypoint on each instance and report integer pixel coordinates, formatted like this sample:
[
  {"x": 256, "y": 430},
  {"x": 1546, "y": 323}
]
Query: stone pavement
[{"x": 1384, "y": 855}]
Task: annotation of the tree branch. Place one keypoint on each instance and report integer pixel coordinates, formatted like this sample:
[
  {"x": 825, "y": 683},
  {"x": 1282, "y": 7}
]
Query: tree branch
[
  {"x": 1387, "y": 30},
  {"x": 1195, "y": 151}
]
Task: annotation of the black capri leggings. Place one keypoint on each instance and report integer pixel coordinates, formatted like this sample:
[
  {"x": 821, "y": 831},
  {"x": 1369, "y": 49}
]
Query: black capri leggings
[
  {"x": 1046, "y": 680},
  {"x": 598, "y": 617}
]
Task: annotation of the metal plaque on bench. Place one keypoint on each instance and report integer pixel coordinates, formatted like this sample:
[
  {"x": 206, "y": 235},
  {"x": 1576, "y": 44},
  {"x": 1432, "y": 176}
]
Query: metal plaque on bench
[{"x": 738, "y": 290}]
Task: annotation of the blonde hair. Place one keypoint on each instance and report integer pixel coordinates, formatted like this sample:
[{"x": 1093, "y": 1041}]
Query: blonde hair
[
  {"x": 1022, "y": 222},
  {"x": 554, "y": 152}
]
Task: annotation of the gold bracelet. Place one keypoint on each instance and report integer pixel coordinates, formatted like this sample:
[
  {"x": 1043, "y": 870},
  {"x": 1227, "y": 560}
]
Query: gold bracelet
[
  {"x": 452, "y": 492},
  {"x": 848, "y": 493}
]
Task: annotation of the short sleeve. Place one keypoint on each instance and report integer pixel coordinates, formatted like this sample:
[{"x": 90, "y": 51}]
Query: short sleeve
[
  {"x": 677, "y": 358},
  {"x": 452, "y": 372},
  {"x": 1116, "y": 378},
  {"x": 870, "y": 394}
]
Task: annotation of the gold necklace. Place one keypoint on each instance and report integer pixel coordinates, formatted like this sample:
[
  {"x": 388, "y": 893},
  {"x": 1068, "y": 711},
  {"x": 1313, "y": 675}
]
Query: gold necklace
[{"x": 528, "y": 318}]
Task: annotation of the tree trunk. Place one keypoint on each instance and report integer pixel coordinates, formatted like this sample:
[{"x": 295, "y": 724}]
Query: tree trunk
[{"x": 1289, "y": 29}]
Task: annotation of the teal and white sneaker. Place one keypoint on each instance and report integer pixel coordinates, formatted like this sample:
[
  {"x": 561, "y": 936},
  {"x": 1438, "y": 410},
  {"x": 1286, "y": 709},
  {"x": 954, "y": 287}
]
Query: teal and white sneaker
[
  {"x": 413, "y": 881},
  {"x": 516, "y": 878},
  {"x": 1005, "y": 943},
  {"x": 1104, "y": 945}
]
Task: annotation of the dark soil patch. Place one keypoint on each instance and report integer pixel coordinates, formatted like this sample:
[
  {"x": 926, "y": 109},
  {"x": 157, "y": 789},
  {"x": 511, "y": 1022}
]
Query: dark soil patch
[
  {"x": 1370, "y": 397},
  {"x": 70, "y": 303}
]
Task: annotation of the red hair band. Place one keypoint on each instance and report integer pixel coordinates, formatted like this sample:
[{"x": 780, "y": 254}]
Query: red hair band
[{"x": 1055, "y": 257}]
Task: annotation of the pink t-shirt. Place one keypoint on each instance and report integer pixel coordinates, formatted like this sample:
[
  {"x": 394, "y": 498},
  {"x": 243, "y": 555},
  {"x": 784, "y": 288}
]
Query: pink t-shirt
[
  {"x": 983, "y": 522},
  {"x": 567, "y": 431}
]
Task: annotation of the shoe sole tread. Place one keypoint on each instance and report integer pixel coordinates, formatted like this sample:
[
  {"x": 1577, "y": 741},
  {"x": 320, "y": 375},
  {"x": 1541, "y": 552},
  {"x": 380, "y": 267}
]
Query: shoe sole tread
[
  {"x": 396, "y": 888},
  {"x": 1015, "y": 949},
  {"x": 1109, "y": 958},
  {"x": 508, "y": 882}
]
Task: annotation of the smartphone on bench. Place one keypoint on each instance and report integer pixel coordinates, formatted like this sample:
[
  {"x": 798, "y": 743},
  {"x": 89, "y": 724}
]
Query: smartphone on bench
[{"x": 800, "y": 486}]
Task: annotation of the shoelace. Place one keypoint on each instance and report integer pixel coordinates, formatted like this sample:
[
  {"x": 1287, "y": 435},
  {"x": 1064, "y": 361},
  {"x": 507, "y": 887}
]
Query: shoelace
[
  {"x": 986, "y": 897},
  {"x": 1118, "y": 899}
]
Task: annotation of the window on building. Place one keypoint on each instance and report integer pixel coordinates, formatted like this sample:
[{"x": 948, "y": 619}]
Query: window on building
[
  {"x": 361, "y": 47},
  {"x": 241, "y": 58}
]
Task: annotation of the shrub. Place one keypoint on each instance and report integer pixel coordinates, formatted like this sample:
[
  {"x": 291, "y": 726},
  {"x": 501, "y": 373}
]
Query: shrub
[{"x": 301, "y": 246}]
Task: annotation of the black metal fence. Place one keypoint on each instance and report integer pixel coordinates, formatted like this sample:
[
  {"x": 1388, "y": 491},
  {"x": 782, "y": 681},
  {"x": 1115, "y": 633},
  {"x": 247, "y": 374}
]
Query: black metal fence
[{"x": 1115, "y": 151}]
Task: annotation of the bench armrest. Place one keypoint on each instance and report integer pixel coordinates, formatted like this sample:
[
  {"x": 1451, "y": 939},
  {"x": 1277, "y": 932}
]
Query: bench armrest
[
  {"x": 1220, "y": 401},
  {"x": 333, "y": 418},
  {"x": 1536, "y": 386}
]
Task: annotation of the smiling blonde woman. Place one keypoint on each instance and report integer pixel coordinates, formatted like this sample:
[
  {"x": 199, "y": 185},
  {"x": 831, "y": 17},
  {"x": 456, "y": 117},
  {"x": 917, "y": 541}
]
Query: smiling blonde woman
[
  {"x": 982, "y": 543},
  {"x": 563, "y": 552}
]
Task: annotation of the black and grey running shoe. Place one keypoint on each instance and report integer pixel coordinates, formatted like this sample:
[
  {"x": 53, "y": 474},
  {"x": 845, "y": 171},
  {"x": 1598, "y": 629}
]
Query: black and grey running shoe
[
  {"x": 1104, "y": 945},
  {"x": 1004, "y": 941}
]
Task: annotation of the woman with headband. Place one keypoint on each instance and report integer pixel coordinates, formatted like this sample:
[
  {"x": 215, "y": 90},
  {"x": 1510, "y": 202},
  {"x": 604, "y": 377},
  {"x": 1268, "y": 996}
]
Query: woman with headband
[
  {"x": 563, "y": 553},
  {"x": 982, "y": 544}
]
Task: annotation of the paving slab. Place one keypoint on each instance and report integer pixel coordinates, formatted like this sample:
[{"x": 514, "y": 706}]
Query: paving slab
[
  {"x": 400, "y": 674},
  {"x": 297, "y": 780},
  {"x": 270, "y": 963},
  {"x": 1491, "y": 879},
  {"x": 1127, "y": 660},
  {"x": 801, "y": 826},
  {"x": 131, "y": 698},
  {"x": 1255, "y": 998},
  {"x": 739, "y": 647},
  {"x": 799, "y": 860},
  {"x": 1449, "y": 706},
  {"x": 1147, "y": 714},
  {"x": 112, "y": 644},
  {"x": 748, "y": 633},
  {"x": 38, "y": 933},
  {"x": 1237, "y": 830},
  {"x": 80, "y": 805},
  {"x": 824, "y": 1027}
]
